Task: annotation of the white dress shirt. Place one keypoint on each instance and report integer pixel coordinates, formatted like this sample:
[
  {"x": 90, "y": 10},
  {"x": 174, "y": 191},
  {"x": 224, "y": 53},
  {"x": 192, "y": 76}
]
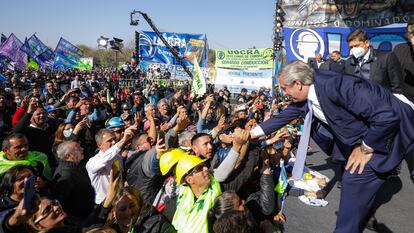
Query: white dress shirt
[
  {"x": 316, "y": 107},
  {"x": 99, "y": 167}
]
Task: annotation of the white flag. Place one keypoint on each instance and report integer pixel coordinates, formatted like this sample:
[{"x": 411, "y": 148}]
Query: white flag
[{"x": 199, "y": 86}]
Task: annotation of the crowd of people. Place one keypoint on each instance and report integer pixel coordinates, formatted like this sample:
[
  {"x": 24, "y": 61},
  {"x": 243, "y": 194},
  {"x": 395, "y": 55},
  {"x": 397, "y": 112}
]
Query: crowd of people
[
  {"x": 112, "y": 157},
  {"x": 105, "y": 157}
]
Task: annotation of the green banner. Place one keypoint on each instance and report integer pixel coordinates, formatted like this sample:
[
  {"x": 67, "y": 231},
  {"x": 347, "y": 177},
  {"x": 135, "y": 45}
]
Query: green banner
[{"x": 245, "y": 58}]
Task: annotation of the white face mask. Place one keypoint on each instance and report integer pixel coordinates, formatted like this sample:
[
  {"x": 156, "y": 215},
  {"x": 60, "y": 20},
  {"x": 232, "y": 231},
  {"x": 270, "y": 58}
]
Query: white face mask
[
  {"x": 67, "y": 133},
  {"x": 357, "y": 52}
]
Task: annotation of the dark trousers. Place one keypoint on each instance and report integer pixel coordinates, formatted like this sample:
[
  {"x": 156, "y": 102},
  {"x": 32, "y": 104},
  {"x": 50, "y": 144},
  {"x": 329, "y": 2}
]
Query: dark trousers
[{"x": 357, "y": 196}]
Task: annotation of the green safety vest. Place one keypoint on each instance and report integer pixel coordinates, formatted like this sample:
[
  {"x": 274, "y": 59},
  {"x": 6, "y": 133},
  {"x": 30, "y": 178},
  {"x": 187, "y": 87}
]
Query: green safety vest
[
  {"x": 33, "y": 157},
  {"x": 191, "y": 216}
]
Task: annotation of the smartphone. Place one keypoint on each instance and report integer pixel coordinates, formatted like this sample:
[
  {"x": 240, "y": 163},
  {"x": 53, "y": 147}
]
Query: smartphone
[
  {"x": 289, "y": 127},
  {"x": 116, "y": 168},
  {"x": 29, "y": 192},
  {"x": 161, "y": 134}
]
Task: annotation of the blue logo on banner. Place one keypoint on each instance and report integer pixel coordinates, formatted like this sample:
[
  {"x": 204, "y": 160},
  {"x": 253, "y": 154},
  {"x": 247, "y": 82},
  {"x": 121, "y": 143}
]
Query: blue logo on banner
[
  {"x": 221, "y": 55},
  {"x": 302, "y": 43},
  {"x": 308, "y": 43}
]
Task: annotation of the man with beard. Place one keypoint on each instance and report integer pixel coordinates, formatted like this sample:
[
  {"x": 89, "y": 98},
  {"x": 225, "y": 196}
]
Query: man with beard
[{"x": 202, "y": 146}]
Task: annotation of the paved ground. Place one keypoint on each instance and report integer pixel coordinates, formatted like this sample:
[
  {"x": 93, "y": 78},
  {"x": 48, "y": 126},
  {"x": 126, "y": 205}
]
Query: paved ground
[{"x": 395, "y": 215}]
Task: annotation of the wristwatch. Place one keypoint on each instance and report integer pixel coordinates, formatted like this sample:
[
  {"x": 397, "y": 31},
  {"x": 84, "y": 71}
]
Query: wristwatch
[{"x": 365, "y": 150}]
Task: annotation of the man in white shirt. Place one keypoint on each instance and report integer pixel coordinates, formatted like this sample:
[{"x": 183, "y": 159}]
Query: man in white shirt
[{"x": 100, "y": 165}]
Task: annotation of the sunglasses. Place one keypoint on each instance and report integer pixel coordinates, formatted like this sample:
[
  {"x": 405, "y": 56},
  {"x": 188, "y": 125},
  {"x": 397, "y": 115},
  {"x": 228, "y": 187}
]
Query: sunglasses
[
  {"x": 196, "y": 169},
  {"x": 47, "y": 210}
]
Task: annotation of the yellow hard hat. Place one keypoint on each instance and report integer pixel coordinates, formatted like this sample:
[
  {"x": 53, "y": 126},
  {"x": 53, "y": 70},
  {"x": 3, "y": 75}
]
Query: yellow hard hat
[
  {"x": 185, "y": 165},
  {"x": 170, "y": 158}
]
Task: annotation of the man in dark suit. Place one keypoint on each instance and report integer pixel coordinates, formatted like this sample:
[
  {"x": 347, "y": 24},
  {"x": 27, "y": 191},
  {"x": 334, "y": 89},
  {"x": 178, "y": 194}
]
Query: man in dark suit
[
  {"x": 405, "y": 55},
  {"x": 372, "y": 127},
  {"x": 318, "y": 63},
  {"x": 336, "y": 63},
  {"x": 367, "y": 62},
  {"x": 381, "y": 67}
]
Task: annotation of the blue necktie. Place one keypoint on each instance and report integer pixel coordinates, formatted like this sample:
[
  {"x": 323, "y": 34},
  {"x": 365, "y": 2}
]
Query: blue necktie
[{"x": 297, "y": 171}]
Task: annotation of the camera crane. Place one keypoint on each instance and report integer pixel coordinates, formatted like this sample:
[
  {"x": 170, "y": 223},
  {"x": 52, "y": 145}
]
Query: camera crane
[{"x": 172, "y": 50}]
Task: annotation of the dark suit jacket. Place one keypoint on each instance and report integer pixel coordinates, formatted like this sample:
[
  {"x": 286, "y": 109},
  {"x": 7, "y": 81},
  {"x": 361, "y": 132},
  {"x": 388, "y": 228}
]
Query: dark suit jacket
[
  {"x": 381, "y": 67},
  {"x": 337, "y": 66},
  {"x": 358, "y": 110},
  {"x": 405, "y": 55},
  {"x": 314, "y": 64}
]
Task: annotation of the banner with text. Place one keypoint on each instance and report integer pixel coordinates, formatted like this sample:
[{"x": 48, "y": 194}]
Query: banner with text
[
  {"x": 235, "y": 80},
  {"x": 188, "y": 46},
  {"x": 346, "y": 13},
  {"x": 177, "y": 72},
  {"x": 302, "y": 44},
  {"x": 244, "y": 58}
]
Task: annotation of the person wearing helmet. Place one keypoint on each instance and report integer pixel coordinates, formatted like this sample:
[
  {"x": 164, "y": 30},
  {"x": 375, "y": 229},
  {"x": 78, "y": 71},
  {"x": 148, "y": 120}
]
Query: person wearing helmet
[
  {"x": 169, "y": 192},
  {"x": 116, "y": 124},
  {"x": 115, "y": 107},
  {"x": 125, "y": 107},
  {"x": 241, "y": 111},
  {"x": 196, "y": 196}
]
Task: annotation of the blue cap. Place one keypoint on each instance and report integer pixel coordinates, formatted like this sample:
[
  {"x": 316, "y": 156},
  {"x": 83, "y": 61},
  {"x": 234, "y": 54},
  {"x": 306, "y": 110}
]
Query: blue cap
[{"x": 50, "y": 108}]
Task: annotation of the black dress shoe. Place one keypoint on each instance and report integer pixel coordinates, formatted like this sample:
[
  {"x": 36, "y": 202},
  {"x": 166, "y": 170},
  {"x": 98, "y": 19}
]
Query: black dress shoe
[
  {"x": 372, "y": 224},
  {"x": 339, "y": 184}
]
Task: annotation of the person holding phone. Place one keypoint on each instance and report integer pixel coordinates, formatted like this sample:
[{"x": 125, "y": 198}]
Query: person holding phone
[
  {"x": 46, "y": 214},
  {"x": 12, "y": 186}
]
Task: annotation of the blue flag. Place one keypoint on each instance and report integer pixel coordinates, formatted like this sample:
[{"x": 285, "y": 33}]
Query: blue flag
[
  {"x": 37, "y": 50},
  {"x": 67, "y": 54},
  {"x": 3, "y": 38},
  {"x": 281, "y": 186}
]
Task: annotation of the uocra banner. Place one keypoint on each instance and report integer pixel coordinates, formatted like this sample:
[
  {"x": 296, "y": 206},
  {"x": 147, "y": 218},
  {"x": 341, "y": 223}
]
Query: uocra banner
[
  {"x": 152, "y": 49},
  {"x": 302, "y": 43},
  {"x": 244, "y": 58},
  {"x": 346, "y": 13}
]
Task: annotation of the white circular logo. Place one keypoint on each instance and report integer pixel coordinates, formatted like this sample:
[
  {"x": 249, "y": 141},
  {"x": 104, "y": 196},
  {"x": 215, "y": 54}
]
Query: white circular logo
[{"x": 306, "y": 43}]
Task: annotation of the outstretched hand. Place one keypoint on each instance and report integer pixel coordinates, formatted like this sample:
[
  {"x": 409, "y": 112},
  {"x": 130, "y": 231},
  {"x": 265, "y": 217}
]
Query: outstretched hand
[
  {"x": 114, "y": 185},
  {"x": 160, "y": 146}
]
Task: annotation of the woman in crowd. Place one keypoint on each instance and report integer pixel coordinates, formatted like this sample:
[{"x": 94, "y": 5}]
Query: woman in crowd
[
  {"x": 66, "y": 131},
  {"x": 12, "y": 186}
]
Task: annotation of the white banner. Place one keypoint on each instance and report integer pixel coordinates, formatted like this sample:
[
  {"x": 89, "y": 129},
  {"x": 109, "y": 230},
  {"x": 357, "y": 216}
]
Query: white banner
[
  {"x": 177, "y": 71},
  {"x": 235, "y": 80}
]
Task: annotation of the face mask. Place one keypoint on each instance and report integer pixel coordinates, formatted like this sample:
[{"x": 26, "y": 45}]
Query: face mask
[
  {"x": 18, "y": 102},
  {"x": 358, "y": 52},
  {"x": 67, "y": 133}
]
